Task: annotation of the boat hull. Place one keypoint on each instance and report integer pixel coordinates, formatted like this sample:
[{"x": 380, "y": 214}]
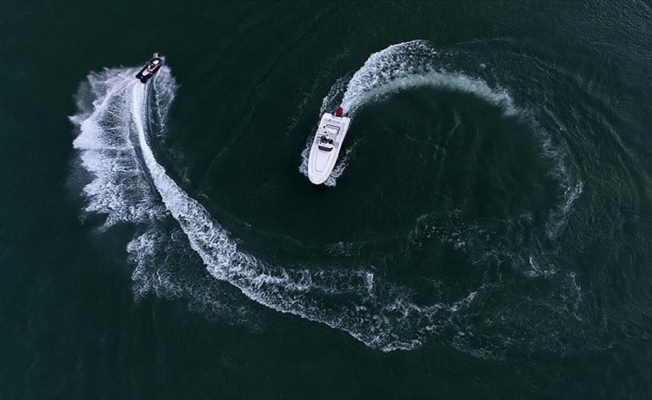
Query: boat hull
[
  {"x": 150, "y": 69},
  {"x": 326, "y": 147}
]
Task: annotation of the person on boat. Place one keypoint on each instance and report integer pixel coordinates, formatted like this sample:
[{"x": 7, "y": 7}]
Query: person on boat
[{"x": 152, "y": 66}]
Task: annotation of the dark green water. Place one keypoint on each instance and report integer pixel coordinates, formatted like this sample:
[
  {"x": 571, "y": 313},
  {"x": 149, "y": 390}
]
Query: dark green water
[{"x": 486, "y": 234}]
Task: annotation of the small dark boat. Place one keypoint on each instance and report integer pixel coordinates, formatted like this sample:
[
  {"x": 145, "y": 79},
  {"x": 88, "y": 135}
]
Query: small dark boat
[{"x": 150, "y": 69}]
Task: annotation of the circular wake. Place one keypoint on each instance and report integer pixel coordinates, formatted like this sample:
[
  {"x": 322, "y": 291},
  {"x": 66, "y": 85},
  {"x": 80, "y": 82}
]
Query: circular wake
[{"x": 118, "y": 127}]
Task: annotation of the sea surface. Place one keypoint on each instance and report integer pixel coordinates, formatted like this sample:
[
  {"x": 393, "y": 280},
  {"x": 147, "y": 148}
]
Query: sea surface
[{"x": 486, "y": 233}]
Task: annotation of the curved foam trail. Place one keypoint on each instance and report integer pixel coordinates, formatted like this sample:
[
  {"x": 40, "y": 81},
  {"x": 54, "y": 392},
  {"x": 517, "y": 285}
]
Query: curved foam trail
[
  {"x": 114, "y": 147},
  {"x": 400, "y": 67},
  {"x": 416, "y": 64},
  {"x": 410, "y": 65},
  {"x": 118, "y": 189},
  {"x": 346, "y": 300}
]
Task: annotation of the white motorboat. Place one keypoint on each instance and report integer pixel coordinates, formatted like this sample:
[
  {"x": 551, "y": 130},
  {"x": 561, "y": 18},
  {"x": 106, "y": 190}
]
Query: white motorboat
[{"x": 327, "y": 145}]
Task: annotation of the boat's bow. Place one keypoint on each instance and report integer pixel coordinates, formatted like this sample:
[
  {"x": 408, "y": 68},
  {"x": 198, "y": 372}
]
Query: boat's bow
[{"x": 326, "y": 146}]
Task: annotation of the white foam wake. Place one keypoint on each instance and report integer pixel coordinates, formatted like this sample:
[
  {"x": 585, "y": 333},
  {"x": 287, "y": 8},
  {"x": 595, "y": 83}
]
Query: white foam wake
[
  {"x": 400, "y": 67},
  {"x": 119, "y": 188},
  {"x": 130, "y": 185},
  {"x": 410, "y": 65},
  {"x": 348, "y": 300}
]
